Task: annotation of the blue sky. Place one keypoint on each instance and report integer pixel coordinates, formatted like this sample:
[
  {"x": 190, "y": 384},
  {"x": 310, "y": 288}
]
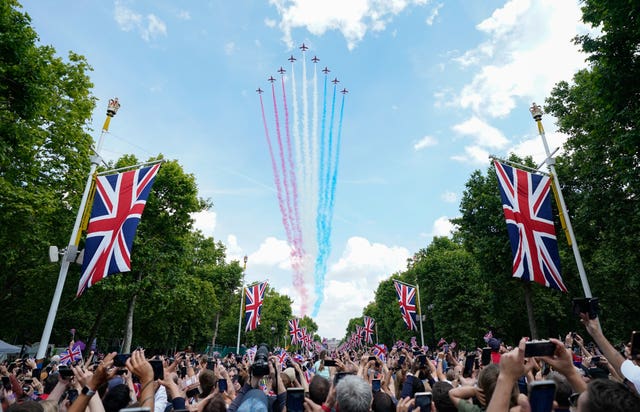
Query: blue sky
[{"x": 434, "y": 87}]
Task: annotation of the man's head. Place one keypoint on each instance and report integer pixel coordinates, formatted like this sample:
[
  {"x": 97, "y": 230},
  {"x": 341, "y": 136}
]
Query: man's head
[
  {"x": 207, "y": 380},
  {"x": 603, "y": 395},
  {"x": 441, "y": 400},
  {"x": 487, "y": 382},
  {"x": 353, "y": 394},
  {"x": 319, "y": 389}
]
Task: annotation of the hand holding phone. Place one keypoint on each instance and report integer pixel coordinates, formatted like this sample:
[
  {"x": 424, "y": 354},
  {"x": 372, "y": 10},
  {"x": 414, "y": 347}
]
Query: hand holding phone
[
  {"x": 375, "y": 385},
  {"x": 295, "y": 399},
  {"x": 423, "y": 401},
  {"x": 539, "y": 348}
]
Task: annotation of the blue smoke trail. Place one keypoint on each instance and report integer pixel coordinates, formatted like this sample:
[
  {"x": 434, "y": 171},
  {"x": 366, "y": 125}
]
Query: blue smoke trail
[
  {"x": 324, "y": 246},
  {"x": 334, "y": 177}
]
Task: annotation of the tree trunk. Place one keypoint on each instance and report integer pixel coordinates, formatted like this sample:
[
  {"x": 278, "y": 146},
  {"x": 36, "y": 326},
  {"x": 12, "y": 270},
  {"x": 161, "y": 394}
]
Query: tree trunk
[
  {"x": 215, "y": 332},
  {"x": 529, "y": 303},
  {"x": 126, "y": 345}
]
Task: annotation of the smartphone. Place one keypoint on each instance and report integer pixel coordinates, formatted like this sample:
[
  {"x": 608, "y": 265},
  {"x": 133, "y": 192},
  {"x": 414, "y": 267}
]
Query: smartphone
[
  {"x": 468, "y": 365},
  {"x": 72, "y": 394},
  {"x": 329, "y": 362},
  {"x": 137, "y": 409},
  {"x": 586, "y": 305},
  {"x": 222, "y": 385},
  {"x": 338, "y": 376},
  {"x": 375, "y": 385},
  {"x": 211, "y": 364},
  {"x": 401, "y": 360},
  {"x": 6, "y": 382},
  {"x": 121, "y": 359},
  {"x": 65, "y": 372},
  {"x": 542, "y": 395},
  {"x": 635, "y": 343},
  {"x": 122, "y": 371},
  {"x": 36, "y": 373},
  {"x": 295, "y": 399},
  {"x": 486, "y": 356},
  {"x": 539, "y": 348},
  {"x": 407, "y": 387},
  {"x": 595, "y": 359},
  {"x": 371, "y": 358},
  {"x": 191, "y": 393},
  {"x": 446, "y": 348},
  {"x": 158, "y": 369},
  {"x": 423, "y": 401},
  {"x": 422, "y": 359}
]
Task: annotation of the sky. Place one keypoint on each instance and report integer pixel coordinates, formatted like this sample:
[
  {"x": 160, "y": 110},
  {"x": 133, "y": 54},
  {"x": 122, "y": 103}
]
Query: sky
[{"x": 434, "y": 88}]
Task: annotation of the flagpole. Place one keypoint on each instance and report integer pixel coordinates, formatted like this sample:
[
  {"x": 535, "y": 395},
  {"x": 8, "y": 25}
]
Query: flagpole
[
  {"x": 536, "y": 112},
  {"x": 419, "y": 312},
  {"x": 241, "y": 304},
  {"x": 72, "y": 249}
]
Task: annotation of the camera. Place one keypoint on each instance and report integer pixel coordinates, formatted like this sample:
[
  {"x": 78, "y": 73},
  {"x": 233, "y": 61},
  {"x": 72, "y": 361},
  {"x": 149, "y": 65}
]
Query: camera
[
  {"x": 586, "y": 305},
  {"x": 539, "y": 348},
  {"x": 260, "y": 365}
]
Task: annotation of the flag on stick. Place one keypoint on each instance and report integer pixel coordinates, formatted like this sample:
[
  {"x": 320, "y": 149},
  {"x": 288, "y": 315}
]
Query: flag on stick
[{"x": 367, "y": 330}]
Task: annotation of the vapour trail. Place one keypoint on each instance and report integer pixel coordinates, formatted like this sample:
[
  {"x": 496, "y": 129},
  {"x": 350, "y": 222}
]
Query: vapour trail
[
  {"x": 276, "y": 176},
  {"x": 298, "y": 247}
]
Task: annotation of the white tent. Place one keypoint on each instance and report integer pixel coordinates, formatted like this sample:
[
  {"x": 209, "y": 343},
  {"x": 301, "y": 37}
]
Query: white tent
[{"x": 6, "y": 348}]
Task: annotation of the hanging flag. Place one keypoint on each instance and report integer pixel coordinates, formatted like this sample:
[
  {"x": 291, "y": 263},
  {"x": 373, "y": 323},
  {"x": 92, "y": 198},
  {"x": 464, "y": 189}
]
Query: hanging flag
[
  {"x": 380, "y": 350},
  {"x": 117, "y": 208},
  {"x": 441, "y": 342},
  {"x": 526, "y": 202},
  {"x": 294, "y": 331},
  {"x": 253, "y": 298},
  {"x": 414, "y": 342},
  {"x": 70, "y": 355},
  {"x": 367, "y": 329},
  {"x": 407, "y": 300}
]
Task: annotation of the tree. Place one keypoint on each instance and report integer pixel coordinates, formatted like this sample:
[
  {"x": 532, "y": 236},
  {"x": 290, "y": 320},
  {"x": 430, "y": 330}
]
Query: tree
[
  {"x": 45, "y": 105},
  {"x": 600, "y": 112}
]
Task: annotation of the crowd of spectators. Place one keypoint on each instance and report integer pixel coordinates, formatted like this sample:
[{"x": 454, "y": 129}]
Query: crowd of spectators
[{"x": 571, "y": 375}]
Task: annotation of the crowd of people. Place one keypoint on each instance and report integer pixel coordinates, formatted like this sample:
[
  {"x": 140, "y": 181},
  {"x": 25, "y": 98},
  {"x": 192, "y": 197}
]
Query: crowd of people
[{"x": 567, "y": 375}]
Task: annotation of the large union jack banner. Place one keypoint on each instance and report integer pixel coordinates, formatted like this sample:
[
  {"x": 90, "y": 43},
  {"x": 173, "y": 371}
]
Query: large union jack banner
[
  {"x": 407, "y": 300},
  {"x": 117, "y": 207},
  {"x": 253, "y": 298},
  {"x": 526, "y": 201}
]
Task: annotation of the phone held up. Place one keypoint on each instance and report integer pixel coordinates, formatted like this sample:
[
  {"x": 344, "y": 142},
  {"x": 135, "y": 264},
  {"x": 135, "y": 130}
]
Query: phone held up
[
  {"x": 537, "y": 348},
  {"x": 585, "y": 305},
  {"x": 541, "y": 396},
  {"x": 635, "y": 343},
  {"x": 295, "y": 399},
  {"x": 423, "y": 401},
  {"x": 375, "y": 385}
]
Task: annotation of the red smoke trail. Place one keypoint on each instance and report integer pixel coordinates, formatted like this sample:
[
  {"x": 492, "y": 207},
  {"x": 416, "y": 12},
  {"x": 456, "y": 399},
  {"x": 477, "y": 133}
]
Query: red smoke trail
[
  {"x": 276, "y": 176},
  {"x": 295, "y": 237}
]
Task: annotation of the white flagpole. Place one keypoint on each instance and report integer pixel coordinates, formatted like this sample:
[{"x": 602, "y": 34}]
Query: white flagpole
[
  {"x": 72, "y": 249},
  {"x": 419, "y": 312},
  {"x": 241, "y": 304},
  {"x": 536, "y": 112}
]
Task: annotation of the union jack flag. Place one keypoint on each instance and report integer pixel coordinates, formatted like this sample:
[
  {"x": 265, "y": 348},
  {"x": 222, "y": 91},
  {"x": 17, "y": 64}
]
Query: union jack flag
[
  {"x": 488, "y": 336},
  {"x": 117, "y": 208},
  {"x": 407, "y": 300},
  {"x": 70, "y": 355},
  {"x": 380, "y": 350},
  {"x": 294, "y": 331},
  {"x": 282, "y": 358},
  {"x": 368, "y": 329},
  {"x": 253, "y": 298},
  {"x": 414, "y": 342},
  {"x": 526, "y": 201}
]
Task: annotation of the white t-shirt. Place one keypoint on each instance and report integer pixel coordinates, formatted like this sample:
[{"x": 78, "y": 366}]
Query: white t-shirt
[{"x": 631, "y": 371}]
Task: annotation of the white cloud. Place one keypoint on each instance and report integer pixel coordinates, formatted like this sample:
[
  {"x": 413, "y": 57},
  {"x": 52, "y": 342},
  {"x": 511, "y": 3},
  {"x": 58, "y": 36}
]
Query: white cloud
[
  {"x": 184, "y": 15},
  {"x": 434, "y": 13},
  {"x": 205, "y": 221},
  {"x": 483, "y": 134},
  {"x": 351, "y": 282},
  {"x": 474, "y": 155},
  {"x": 272, "y": 252},
  {"x": 534, "y": 147},
  {"x": 449, "y": 197},
  {"x": 234, "y": 251},
  {"x": 270, "y": 23},
  {"x": 442, "y": 226},
  {"x": 148, "y": 27},
  {"x": 229, "y": 48},
  {"x": 424, "y": 143},
  {"x": 352, "y": 18},
  {"x": 528, "y": 50}
]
